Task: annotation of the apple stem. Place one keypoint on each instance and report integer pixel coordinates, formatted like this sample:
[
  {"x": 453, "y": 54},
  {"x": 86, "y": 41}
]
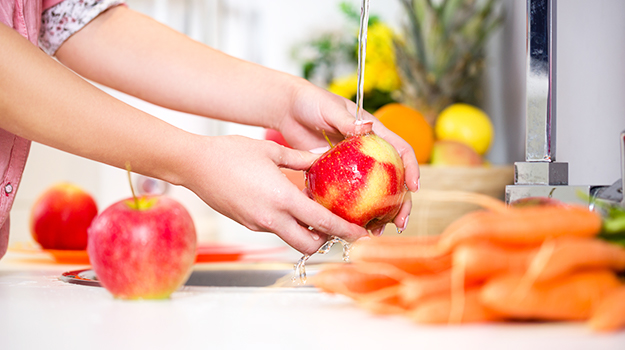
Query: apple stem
[
  {"x": 327, "y": 138},
  {"x": 128, "y": 170}
]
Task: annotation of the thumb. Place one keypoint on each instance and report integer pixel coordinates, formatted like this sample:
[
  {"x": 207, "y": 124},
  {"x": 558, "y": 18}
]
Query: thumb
[
  {"x": 295, "y": 159},
  {"x": 349, "y": 126}
]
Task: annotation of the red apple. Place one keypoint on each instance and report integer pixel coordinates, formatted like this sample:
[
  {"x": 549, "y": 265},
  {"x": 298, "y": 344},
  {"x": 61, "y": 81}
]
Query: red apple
[
  {"x": 277, "y": 137},
  {"x": 143, "y": 248},
  {"x": 361, "y": 179},
  {"x": 60, "y": 217}
]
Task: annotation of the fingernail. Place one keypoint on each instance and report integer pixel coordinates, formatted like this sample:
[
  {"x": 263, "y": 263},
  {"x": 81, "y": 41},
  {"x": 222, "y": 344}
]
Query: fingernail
[
  {"x": 381, "y": 231},
  {"x": 403, "y": 228},
  {"x": 418, "y": 184},
  {"x": 364, "y": 238},
  {"x": 314, "y": 236},
  {"x": 319, "y": 150}
]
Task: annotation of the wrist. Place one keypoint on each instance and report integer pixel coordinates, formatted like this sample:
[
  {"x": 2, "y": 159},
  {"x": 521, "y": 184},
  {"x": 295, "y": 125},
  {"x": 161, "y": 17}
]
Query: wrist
[{"x": 296, "y": 88}]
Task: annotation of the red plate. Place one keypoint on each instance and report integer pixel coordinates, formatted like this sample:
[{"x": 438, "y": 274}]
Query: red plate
[{"x": 206, "y": 252}]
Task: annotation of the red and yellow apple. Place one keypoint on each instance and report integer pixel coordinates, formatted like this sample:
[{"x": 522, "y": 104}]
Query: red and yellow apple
[
  {"x": 143, "y": 248},
  {"x": 453, "y": 153},
  {"x": 361, "y": 179},
  {"x": 60, "y": 217}
]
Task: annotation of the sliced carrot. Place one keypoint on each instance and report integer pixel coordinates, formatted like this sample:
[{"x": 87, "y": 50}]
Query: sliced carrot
[
  {"x": 411, "y": 254},
  {"x": 483, "y": 260},
  {"x": 568, "y": 298},
  {"x": 609, "y": 316},
  {"x": 570, "y": 254},
  {"x": 525, "y": 226},
  {"x": 438, "y": 309}
]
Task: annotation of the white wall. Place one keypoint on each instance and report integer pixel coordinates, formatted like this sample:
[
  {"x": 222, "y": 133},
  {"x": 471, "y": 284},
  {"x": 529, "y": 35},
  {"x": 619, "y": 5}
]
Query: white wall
[{"x": 591, "y": 90}]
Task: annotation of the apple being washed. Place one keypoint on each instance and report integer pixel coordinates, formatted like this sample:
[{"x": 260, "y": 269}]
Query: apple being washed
[
  {"x": 60, "y": 217},
  {"x": 142, "y": 248},
  {"x": 361, "y": 179}
]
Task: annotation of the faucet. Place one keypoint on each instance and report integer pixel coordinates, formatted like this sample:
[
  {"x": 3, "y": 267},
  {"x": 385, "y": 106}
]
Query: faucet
[{"x": 540, "y": 175}]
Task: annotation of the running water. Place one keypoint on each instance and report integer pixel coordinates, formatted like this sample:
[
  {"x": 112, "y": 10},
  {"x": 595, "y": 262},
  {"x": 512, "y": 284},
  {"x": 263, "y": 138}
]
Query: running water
[
  {"x": 300, "y": 267},
  {"x": 362, "y": 54}
]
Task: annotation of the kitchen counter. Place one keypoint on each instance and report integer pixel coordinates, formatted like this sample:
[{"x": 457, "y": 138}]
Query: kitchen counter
[{"x": 38, "y": 311}]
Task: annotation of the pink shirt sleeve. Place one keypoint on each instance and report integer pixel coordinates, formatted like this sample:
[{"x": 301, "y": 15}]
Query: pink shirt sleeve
[
  {"x": 46, "y": 4},
  {"x": 67, "y": 17}
]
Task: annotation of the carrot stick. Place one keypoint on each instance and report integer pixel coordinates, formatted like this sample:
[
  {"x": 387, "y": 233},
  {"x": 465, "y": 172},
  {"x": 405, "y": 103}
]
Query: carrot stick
[
  {"x": 483, "y": 260},
  {"x": 525, "y": 226},
  {"x": 610, "y": 314},
  {"x": 437, "y": 309},
  {"x": 411, "y": 254},
  {"x": 568, "y": 298},
  {"x": 570, "y": 254}
]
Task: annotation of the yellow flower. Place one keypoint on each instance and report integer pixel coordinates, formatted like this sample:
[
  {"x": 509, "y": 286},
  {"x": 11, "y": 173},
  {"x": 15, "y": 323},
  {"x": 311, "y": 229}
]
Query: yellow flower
[
  {"x": 380, "y": 62},
  {"x": 344, "y": 86},
  {"x": 380, "y": 70}
]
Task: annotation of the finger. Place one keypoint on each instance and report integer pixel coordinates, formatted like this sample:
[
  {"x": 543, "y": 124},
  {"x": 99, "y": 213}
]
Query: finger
[
  {"x": 324, "y": 221},
  {"x": 300, "y": 237},
  {"x": 378, "y": 231},
  {"x": 401, "y": 220},
  {"x": 293, "y": 159}
]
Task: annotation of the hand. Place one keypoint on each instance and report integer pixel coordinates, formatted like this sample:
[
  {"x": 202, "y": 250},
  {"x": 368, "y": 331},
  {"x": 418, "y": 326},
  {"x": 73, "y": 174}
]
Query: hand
[
  {"x": 240, "y": 178},
  {"x": 314, "y": 109}
]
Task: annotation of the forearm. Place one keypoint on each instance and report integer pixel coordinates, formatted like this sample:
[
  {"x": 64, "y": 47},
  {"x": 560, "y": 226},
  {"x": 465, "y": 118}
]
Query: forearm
[
  {"x": 45, "y": 102},
  {"x": 137, "y": 55}
]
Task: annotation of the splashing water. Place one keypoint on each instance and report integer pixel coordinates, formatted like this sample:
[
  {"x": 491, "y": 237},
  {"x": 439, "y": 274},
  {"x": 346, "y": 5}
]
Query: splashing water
[{"x": 299, "y": 276}]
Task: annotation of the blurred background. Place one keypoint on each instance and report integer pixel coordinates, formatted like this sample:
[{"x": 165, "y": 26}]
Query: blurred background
[{"x": 590, "y": 95}]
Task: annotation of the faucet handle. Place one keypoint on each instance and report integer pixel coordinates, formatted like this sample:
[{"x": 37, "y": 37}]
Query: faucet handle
[{"x": 614, "y": 193}]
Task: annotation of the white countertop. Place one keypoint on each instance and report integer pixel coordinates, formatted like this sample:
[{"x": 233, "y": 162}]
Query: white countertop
[{"x": 38, "y": 311}]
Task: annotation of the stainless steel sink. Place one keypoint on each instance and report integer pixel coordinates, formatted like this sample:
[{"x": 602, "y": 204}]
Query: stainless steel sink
[{"x": 226, "y": 275}]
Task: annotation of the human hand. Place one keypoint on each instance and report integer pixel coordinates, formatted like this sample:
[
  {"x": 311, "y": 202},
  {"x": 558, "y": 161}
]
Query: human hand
[
  {"x": 240, "y": 178},
  {"x": 314, "y": 109}
]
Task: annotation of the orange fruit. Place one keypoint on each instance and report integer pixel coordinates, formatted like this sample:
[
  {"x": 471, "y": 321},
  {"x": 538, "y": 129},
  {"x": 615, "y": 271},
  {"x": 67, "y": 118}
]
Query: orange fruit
[{"x": 410, "y": 125}]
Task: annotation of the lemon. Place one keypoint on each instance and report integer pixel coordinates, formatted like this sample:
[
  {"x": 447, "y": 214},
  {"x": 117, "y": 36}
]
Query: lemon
[{"x": 464, "y": 123}]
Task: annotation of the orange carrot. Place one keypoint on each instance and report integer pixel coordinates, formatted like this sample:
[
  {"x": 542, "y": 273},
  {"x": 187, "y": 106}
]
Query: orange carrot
[
  {"x": 610, "y": 314},
  {"x": 525, "y": 226},
  {"x": 415, "y": 289},
  {"x": 570, "y": 254},
  {"x": 438, "y": 309},
  {"x": 483, "y": 260},
  {"x": 351, "y": 280},
  {"x": 385, "y": 301},
  {"x": 571, "y": 297},
  {"x": 415, "y": 255}
]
